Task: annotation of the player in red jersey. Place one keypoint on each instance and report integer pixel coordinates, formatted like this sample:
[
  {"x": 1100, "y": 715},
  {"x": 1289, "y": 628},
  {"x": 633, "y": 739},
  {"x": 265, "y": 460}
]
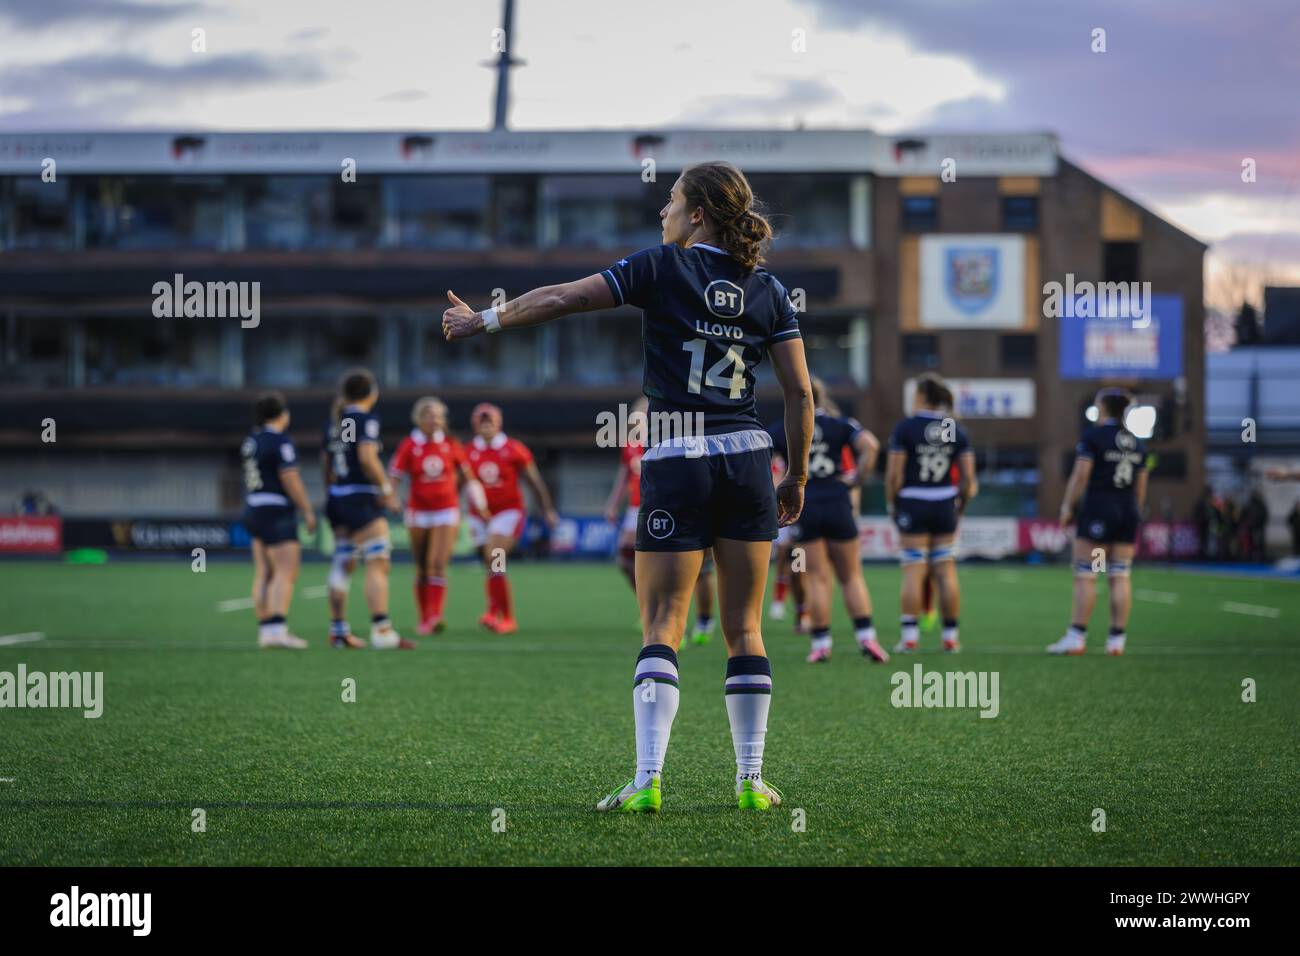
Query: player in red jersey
[
  {"x": 498, "y": 462},
  {"x": 629, "y": 480},
  {"x": 434, "y": 463}
]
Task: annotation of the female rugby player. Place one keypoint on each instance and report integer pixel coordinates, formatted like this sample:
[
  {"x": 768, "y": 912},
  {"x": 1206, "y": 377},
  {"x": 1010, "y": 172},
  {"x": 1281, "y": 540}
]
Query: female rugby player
[
  {"x": 435, "y": 464},
  {"x": 710, "y": 316},
  {"x": 274, "y": 488},
  {"x": 1110, "y": 476},
  {"x": 629, "y": 479},
  {"x": 926, "y": 505},
  {"x": 498, "y": 462},
  {"x": 828, "y": 528},
  {"x": 359, "y": 493}
]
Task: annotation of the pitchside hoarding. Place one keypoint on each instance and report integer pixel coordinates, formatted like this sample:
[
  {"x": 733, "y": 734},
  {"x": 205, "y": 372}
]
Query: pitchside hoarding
[{"x": 984, "y": 397}]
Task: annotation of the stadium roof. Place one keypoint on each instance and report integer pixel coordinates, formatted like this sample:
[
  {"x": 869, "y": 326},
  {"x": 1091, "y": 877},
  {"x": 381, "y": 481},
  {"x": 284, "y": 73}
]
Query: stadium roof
[{"x": 521, "y": 151}]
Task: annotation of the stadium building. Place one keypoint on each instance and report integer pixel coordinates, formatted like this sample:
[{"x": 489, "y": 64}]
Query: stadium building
[{"x": 907, "y": 253}]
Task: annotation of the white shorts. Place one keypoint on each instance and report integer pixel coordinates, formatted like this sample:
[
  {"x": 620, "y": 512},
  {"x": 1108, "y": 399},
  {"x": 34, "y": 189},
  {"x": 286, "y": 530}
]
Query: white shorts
[
  {"x": 629, "y": 520},
  {"x": 508, "y": 524},
  {"x": 441, "y": 518}
]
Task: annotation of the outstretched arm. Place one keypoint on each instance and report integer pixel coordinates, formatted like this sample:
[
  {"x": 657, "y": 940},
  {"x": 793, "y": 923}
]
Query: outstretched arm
[{"x": 532, "y": 308}]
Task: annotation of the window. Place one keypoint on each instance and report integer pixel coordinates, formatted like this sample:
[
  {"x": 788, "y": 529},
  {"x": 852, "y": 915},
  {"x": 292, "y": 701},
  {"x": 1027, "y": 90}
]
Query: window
[
  {"x": 920, "y": 213},
  {"x": 40, "y": 345},
  {"x": 599, "y": 349},
  {"x": 921, "y": 351},
  {"x": 607, "y": 212},
  {"x": 141, "y": 352},
  {"x": 806, "y": 211},
  {"x": 514, "y": 211},
  {"x": 1120, "y": 262},
  {"x": 442, "y": 212},
  {"x": 1019, "y": 351},
  {"x": 310, "y": 212},
  {"x": 152, "y": 212},
  {"x": 1019, "y": 213},
  {"x": 42, "y": 213},
  {"x": 829, "y": 342}
]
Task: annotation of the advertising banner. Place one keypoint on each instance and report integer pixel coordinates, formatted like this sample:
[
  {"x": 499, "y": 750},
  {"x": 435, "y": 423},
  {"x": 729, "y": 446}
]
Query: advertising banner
[
  {"x": 31, "y": 534},
  {"x": 1103, "y": 347},
  {"x": 984, "y": 397}
]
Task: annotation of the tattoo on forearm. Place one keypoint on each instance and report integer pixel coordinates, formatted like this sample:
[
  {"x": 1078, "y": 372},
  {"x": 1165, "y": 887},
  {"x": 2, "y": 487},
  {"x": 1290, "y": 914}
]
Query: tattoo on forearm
[{"x": 583, "y": 301}]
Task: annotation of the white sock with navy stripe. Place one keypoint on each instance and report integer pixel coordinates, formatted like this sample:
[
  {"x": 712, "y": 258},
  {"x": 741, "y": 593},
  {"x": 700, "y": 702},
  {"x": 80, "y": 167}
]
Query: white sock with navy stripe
[
  {"x": 909, "y": 631},
  {"x": 654, "y": 705},
  {"x": 749, "y": 696}
]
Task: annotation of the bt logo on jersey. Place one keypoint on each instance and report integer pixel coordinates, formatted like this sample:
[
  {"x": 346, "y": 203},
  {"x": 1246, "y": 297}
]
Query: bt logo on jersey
[{"x": 725, "y": 299}]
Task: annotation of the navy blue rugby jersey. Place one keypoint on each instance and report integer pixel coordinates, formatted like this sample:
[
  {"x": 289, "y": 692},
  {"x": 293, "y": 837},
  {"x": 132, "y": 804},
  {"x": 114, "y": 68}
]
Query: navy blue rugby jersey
[
  {"x": 707, "y": 325},
  {"x": 831, "y": 435},
  {"x": 343, "y": 438},
  {"x": 265, "y": 453},
  {"x": 1117, "y": 455},
  {"x": 932, "y": 443}
]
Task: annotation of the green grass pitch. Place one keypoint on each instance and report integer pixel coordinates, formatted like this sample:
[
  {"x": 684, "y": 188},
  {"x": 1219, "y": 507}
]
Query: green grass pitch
[{"x": 472, "y": 730}]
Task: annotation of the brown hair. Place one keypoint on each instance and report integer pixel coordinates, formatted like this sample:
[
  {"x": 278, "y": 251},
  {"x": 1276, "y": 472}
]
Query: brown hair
[
  {"x": 356, "y": 384},
  {"x": 722, "y": 191},
  {"x": 1114, "y": 401},
  {"x": 933, "y": 390},
  {"x": 268, "y": 407}
]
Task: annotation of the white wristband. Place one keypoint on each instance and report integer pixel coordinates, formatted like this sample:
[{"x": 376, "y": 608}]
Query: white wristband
[{"x": 490, "y": 321}]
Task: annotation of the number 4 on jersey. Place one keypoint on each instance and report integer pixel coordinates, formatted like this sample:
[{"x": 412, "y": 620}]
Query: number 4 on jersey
[{"x": 735, "y": 384}]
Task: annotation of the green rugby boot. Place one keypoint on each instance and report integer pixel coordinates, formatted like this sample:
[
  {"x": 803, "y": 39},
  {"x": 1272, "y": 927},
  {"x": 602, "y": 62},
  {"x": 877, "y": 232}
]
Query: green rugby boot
[
  {"x": 757, "y": 795},
  {"x": 631, "y": 800}
]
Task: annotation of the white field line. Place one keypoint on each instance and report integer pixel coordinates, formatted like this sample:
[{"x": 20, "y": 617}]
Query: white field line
[
  {"x": 8, "y": 779},
  {"x": 246, "y": 603},
  {"x": 1140, "y": 651},
  {"x": 1254, "y": 610},
  {"x": 1156, "y": 597},
  {"x": 27, "y": 638}
]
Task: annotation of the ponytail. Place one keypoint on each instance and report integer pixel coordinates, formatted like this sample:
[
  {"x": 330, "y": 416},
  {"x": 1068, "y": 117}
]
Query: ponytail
[{"x": 723, "y": 192}]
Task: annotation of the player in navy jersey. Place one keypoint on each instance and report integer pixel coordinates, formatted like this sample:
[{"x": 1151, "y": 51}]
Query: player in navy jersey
[
  {"x": 359, "y": 492},
  {"x": 273, "y": 488},
  {"x": 1111, "y": 478},
  {"x": 926, "y": 505},
  {"x": 710, "y": 315},
  {"x": 827, "y": 531}
]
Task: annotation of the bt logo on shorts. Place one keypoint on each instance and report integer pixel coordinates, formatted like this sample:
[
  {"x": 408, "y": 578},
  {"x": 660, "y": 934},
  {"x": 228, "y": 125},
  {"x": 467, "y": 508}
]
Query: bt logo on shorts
[
  {"x": 660, "y": 524},
  {"x": 1096, "y": 529},
  {"x": 904, "y": 520}
]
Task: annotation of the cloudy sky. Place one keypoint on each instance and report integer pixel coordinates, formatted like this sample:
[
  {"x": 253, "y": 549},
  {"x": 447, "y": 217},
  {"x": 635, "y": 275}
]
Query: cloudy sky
[{"x": 1185, "y": 90}]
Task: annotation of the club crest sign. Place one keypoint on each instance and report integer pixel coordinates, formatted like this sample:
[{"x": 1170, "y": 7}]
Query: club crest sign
[{"x": 971, "y": 277}]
